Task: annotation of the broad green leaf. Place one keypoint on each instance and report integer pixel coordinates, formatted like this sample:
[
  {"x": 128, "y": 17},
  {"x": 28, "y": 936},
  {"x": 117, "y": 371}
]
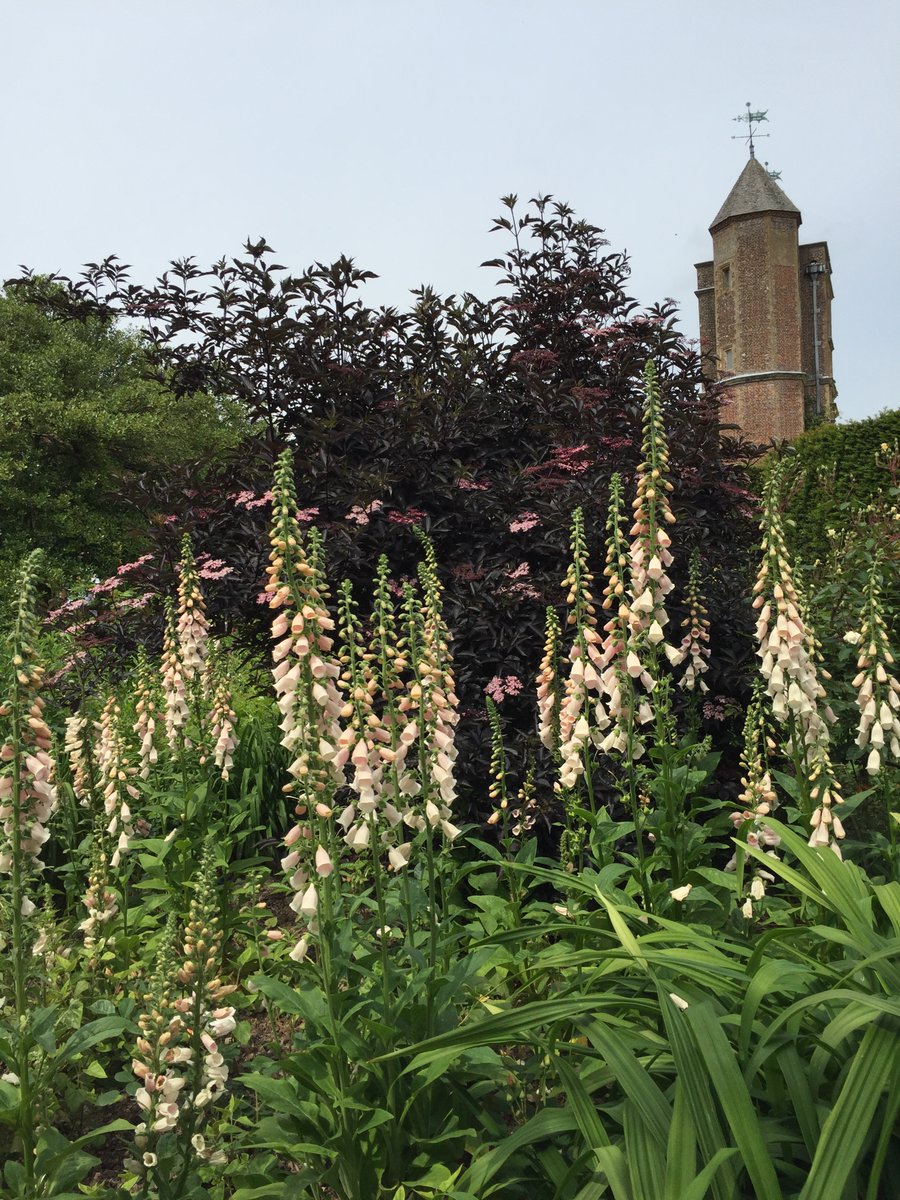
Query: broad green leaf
[
  {"x": 681, "y": 1148},
  {"x": 695, "y": 1080},
  {"x": 888, "y": 896},
  {"x": 725, "y": 1075},
  {"x": 280, "y": 1094},
  {"x": 848, "y": 1126},
  {"x": 304, "y": 1001},
  {"x": 652, "y": 1105},
  {"x": 501, "y": 1027},
  {"x": 582, "y": 1107},
  {"x": 611, "y": 1161},
  {"x": 698, "y": 1188},
  {"x": 644, "y": 1156},
  {"x": 547, "y": 1125},
  {"x": 102, "y": 1030},
  {"x": 626, "y": 937}
]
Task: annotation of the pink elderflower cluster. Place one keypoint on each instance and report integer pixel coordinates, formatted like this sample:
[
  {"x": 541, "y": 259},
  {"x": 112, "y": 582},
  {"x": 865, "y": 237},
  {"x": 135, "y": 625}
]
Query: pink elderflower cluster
[
  {"x": 127, "y": 568},
  {"x": 360, "y": 514},
  {"x": 473, "y": 485},
  {"x": 412, "y": 516},
  {"x": 524, "y": 521},
  {"x": 878, "y": 696},
  {"x": 248, "y": 499},
  {"x": 573, "y": 460},
  {"x": 502, "y": 686},
  {"x": 213, "y": 568}
]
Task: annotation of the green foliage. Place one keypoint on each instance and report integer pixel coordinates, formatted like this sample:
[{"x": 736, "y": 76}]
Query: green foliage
[
  {"x": 461, "y": 1018},
  {"x": 837, "y": 466},
  {"x": 78, "y": 416}
]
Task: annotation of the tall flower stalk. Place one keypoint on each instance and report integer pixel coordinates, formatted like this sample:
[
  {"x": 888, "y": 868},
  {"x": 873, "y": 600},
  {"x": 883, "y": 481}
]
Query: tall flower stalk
[
  {"x": 651, "y": 555},
  {"x": 548, "y": 683},
  {"x": 174, "y": 686},
  {"x": 145, "y": 713},
  {"x": 758, "y": 799},
  {"x": 878, "y": 690},
  {"x": 582, "y": 705},
  {"x": 310, "y": 704},
  {"x": 27, "y": 801},
  {"x": 221, "y": 720},
  {"x": 178, "y": 1058},
  {"x": 788, "y": 654},
  {"x": 193, "y": 627},
  {"x": 695, "y": 645}
]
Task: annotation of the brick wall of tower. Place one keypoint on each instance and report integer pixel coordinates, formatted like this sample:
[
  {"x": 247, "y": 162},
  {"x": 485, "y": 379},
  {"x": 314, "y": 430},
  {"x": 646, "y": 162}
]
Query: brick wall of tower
[
  {"x": 817, "y": 252},
  {"x": 766, "y": 408},
  {"x": 706, "y": 302},
  {"x": 757, "y": 292}
]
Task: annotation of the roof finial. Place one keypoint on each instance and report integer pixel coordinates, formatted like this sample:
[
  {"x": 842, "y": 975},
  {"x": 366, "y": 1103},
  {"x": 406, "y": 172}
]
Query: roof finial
[{"x": 752, "y": 120}]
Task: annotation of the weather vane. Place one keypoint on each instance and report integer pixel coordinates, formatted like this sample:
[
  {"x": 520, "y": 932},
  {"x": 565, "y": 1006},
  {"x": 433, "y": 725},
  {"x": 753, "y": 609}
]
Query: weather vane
[{"x": 751, "y": 120}]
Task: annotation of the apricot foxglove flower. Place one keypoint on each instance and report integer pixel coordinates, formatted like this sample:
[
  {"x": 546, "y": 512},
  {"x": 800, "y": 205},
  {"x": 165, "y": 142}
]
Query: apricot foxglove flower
[
  {"x": 145, "y": 714},
  {"x": 77, "y": 746},
  {"x": 582, "y": 707},
  {"x": 174, "y": 685},
  {"x": 788, "y": 653},
  {"x": 548, "y": 683},
  {"x": 878, "y": 694},
  {"x": 651, "y": 555},
  {"x": 695, "y": 645},
  {"x": 193, "y": 627},
  {"x": 221, "y": 721},
  {"x": 114, "y": 776},
  {"x": 27, "y": 769},
  {"x": 306, "y": 675}
]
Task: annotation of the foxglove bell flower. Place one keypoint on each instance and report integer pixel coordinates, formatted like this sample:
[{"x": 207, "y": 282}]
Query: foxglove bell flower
[
  {"x": 695, "y": 646},
  {"x": 27, "y": 769},
  {"x": 878, "y": 695}
]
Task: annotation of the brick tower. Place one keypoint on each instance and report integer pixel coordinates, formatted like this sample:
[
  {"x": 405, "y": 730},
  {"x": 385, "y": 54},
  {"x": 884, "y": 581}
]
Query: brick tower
[{"x": 765, "y": 313}]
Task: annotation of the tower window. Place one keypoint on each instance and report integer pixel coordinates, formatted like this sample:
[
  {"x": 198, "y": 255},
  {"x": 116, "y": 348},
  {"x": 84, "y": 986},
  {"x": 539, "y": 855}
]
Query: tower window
[
  {"x": 729, "y": 360},
  {"x": 726, "y": 278}
]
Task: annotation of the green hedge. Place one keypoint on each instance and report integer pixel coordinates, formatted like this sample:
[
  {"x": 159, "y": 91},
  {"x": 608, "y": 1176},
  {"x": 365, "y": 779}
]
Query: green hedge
[{"x": 836, "y": 465}]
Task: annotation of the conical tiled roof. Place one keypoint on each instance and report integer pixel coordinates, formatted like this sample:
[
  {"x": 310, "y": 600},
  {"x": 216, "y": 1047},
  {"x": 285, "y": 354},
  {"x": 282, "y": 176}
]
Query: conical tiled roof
[{"x": 755, "y": 192}]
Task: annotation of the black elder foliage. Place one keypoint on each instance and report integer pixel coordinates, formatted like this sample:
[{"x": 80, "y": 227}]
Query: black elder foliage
[{"x": 484, "y": 421}]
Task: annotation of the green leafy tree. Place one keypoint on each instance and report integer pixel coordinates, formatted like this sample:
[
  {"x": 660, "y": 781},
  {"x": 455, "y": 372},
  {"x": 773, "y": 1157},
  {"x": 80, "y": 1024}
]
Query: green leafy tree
[{"x": 78, "y": 417}]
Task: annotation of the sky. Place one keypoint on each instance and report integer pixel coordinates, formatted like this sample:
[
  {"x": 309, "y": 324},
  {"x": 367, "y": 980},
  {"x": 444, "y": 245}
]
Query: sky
[{"x": 388, "y": 129}]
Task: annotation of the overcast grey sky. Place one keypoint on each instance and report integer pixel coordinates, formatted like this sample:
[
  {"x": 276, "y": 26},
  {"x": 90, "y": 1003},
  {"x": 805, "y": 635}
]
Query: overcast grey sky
[{"x": 386, "y": 129}]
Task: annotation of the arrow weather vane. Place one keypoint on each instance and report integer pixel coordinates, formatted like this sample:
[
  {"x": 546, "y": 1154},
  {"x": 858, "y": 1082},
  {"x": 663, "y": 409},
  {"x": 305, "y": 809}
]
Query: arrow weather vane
[{"x": 752, "y": 120}]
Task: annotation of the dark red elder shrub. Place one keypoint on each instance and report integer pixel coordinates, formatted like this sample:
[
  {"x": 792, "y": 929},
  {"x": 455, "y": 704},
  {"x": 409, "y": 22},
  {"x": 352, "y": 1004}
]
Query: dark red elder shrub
[{"x": 486, "y": 422}]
